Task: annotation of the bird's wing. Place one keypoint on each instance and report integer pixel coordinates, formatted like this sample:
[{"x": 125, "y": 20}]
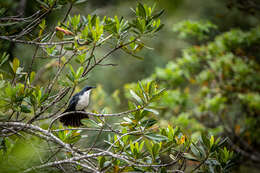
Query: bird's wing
[{"x": 72, "y": 103}]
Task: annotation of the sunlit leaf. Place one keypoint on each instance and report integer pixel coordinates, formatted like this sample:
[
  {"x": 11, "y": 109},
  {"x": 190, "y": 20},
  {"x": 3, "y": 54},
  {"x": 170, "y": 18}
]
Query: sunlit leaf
[{"x": 16, "y": 64}]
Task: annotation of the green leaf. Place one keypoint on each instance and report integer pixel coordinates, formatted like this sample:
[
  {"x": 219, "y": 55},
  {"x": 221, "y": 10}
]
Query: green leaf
[
  {"x": 211, "y": 141},
  {"x": 156, "y": 149},
  {"x": 205, "y": 139},
  {"x": 149, "y": 146},
  {"x": 93, "y": 20},
  {"x": 16, "y": 64},
  {"x": 89, "y": 123},
  {"x": 73, "y": 139},
  {"x": 125, "y": 138},
  {"x": 157, "y": 96},
  {"x": 132, "y": 147},
  {"x": 158, "y": 14},
  {"x": 156, "y": 137},
  {"x": 82, "y": 79},
  {"x": 4, "y": 58},
  {"x": 189, "y": 157},
  {"x": 141, "y": 10},
  {"x": 42, "y": 25},
  {"x": 44, "y": 97},
  {"x": 70, "y": 77},
  {"x": 75, "y": 22},
  {"x": 51, "y": 50},
  {"x": 152, "y": 110},
  {"x": 32, "y": 76},
  {"x": 25, "y": 109},
  {"x": 79, "y": 72},
  {"x": 101, "y": 161},
  {"x": 202, "y": 151},
  {"x": 60, "y": 35},
  {"x": 148, "y": 123},
  {"x": 72, "y": 71},
  {"x": 159, "y": 28},
  {"x": 195, "y": 151},
  {"x": 152, "y": 87},
  {"x": 222, "y": 142},
  {"x": 141, "y": 146},
  {"x": 136, "y": 97},
  {"x": 145, "y": 96}
]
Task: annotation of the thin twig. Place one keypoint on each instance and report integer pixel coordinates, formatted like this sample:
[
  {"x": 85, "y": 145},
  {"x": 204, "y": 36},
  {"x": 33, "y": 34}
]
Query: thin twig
[
  {"x": 31, "y": 65},
  {"x": 49, "y": 88},
  {"x": 67, "y": 13},
  {"x": 107, "y": 55},
  {"x": 95, "y": 141},
  {"x": 91, "y": 55}
]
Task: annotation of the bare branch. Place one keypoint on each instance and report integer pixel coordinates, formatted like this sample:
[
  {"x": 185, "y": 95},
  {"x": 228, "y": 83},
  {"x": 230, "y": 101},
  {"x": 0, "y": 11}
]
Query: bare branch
[
  {"x": 18, "y": 125},
  {"x": 35, "y": 42},
  {"x": 23, "y": 19},
  {"x": 50, "y": 164}
]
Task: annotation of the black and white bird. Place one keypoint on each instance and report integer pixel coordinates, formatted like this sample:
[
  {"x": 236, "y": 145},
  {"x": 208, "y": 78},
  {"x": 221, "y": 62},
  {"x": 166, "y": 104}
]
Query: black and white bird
[{"x": 78, "y": 102}]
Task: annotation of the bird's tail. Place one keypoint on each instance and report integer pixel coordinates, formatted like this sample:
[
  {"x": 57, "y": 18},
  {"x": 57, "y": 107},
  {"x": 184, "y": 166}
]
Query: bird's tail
[{"x": 73, "y": 119}]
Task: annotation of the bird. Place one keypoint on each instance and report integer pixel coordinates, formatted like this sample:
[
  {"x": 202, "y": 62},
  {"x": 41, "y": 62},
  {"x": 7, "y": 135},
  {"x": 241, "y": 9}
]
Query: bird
[{"x": 78, "y": 102}]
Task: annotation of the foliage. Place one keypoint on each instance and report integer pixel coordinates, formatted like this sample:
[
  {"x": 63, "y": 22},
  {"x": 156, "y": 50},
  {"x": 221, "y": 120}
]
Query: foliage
[
  {"x": 194, "y": 29},
  {"x": 134, "y": 143},
  {"x": 215, "y": 88}
]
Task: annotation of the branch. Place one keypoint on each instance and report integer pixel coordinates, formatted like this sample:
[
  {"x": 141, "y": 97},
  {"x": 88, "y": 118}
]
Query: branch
[
  {"x": 38, "y": 129},
  {"x": 46, "y": 135},
  {"x": 16, "y": 18},
  {"x": 87, "y": 129},
  {"x": 95, "y": 155},
  {"x": 79, "y": 156},
  {"x": 32, "y": 25},
  {"x": 94, "y": 114},
  {"x": 35, "y": 42},
  {"x": 58, "y": 163}
]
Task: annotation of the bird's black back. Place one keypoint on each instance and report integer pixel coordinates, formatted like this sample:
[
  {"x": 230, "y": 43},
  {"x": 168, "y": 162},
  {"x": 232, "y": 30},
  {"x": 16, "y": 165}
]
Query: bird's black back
[{"x": 73, "y": 102}]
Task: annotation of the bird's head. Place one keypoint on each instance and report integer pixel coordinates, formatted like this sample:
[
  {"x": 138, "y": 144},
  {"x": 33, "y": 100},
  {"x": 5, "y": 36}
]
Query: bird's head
[{"x": 88, "y": 88}]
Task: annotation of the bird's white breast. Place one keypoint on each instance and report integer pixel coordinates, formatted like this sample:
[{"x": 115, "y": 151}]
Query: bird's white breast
[{"x": 83, "y": 100}]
